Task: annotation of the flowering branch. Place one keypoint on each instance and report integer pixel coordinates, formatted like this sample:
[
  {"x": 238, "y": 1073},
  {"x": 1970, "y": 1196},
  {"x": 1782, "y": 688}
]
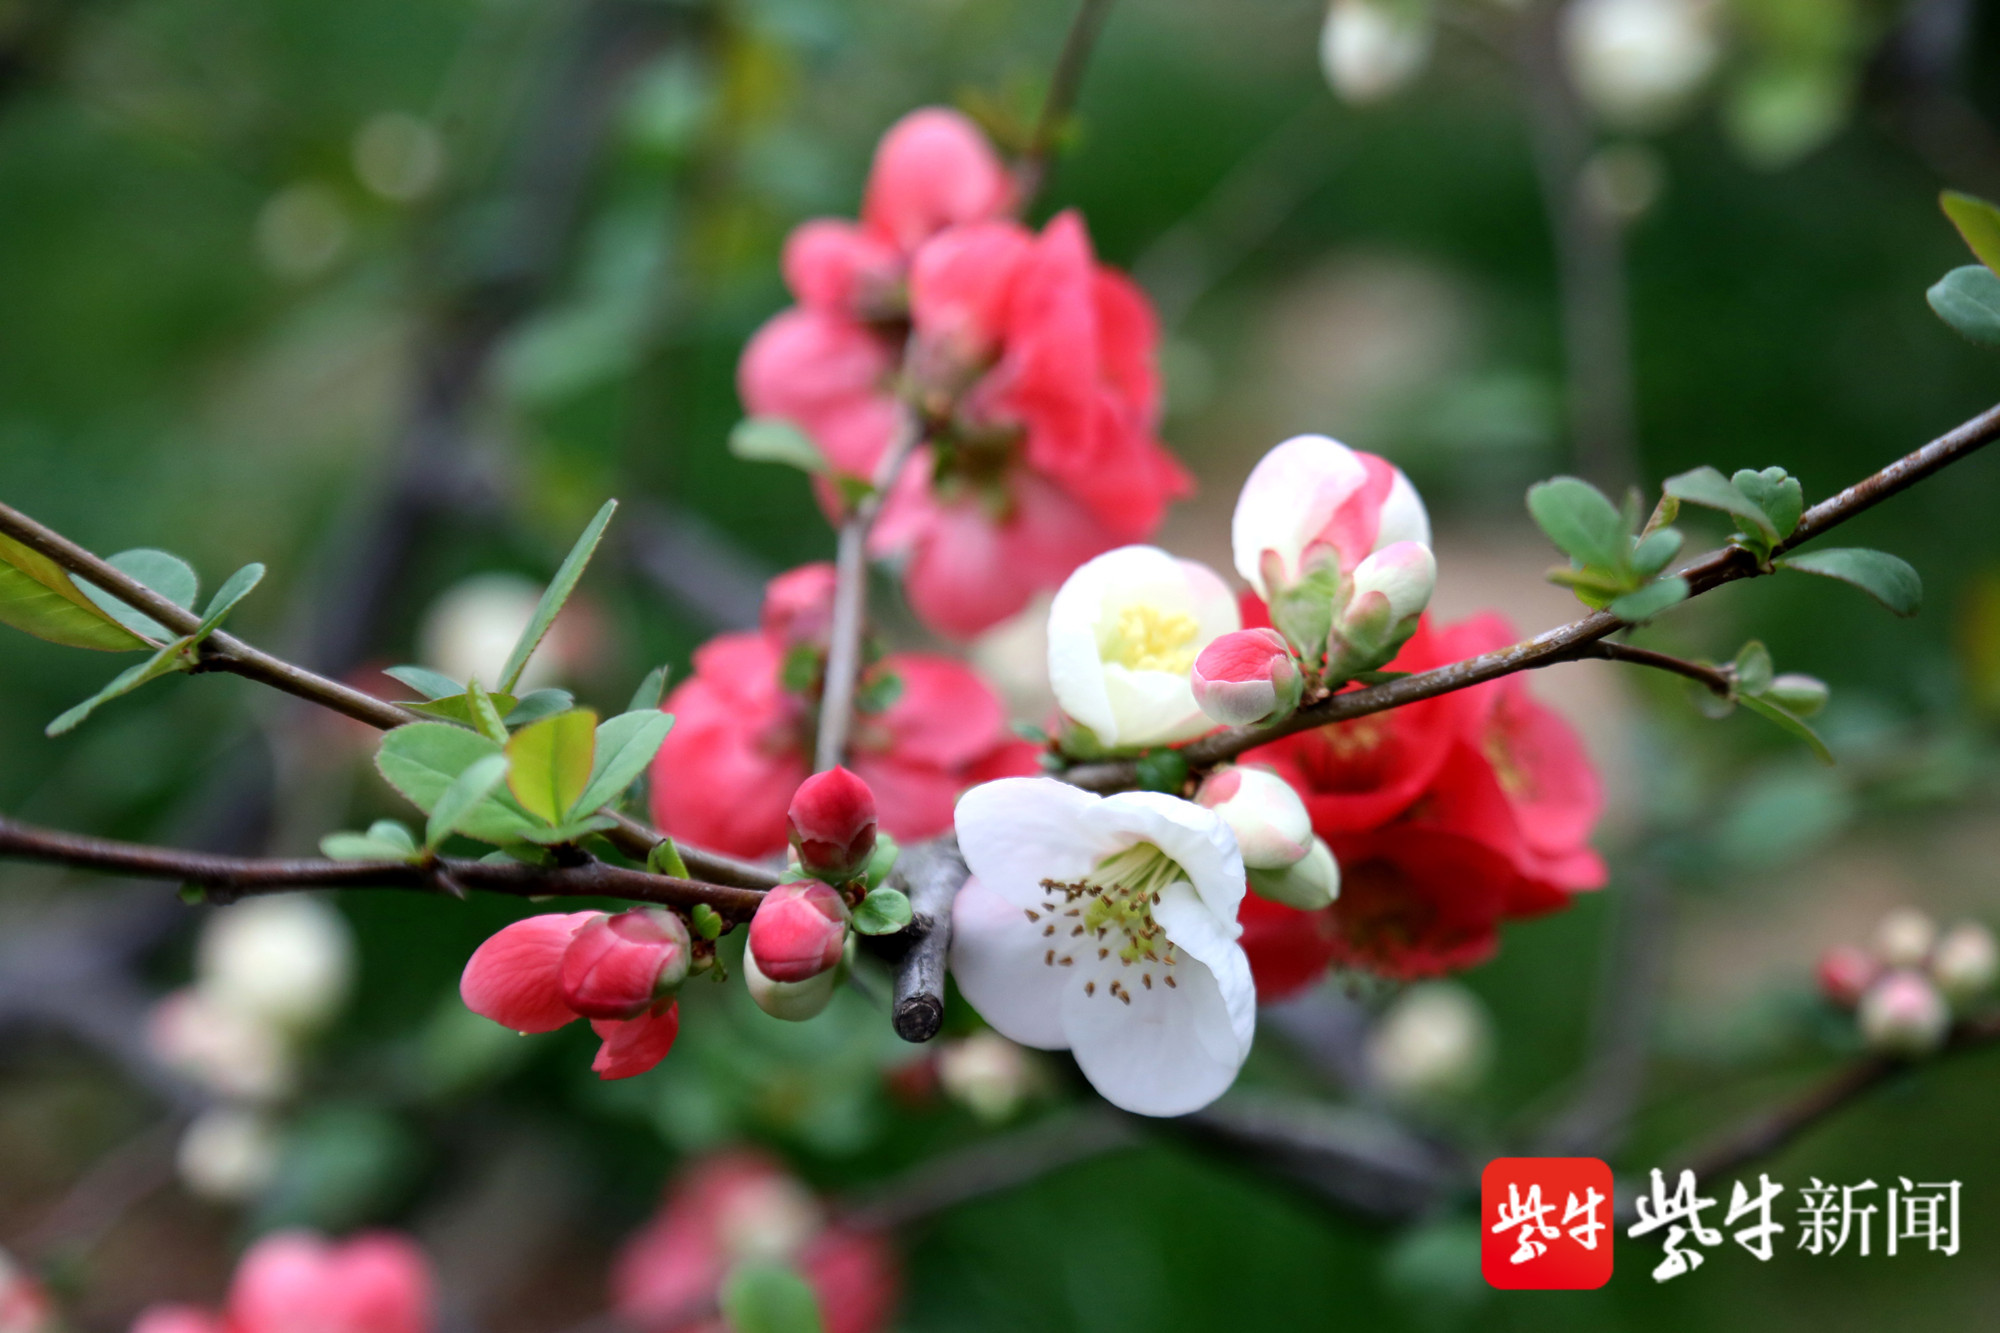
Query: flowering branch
[
  {"x": 933, "y": 872},
  {"x": 227, "y": 878},
  {"x": 1568, "y": 642}
]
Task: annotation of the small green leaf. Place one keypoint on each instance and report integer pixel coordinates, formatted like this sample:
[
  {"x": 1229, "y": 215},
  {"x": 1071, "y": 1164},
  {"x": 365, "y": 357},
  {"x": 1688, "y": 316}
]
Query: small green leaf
[
  {"x": 551, "y": 762},
  {"x": 1978, "y": 222},
  {"x": 554, "y": 596},
  {"x": 421, "y": 760},
  {"x": 365, "y": 847},
  {"x": 651, "y": 690},
  {"x": 168, "y": 575},
  {"x": 625, "y": 745},
  {"x": 39, "y": 598},
  {"x": 458, "y": 708},
  {"x": 800, "y": 670},
  {"x": 1968, "y": 299},
  {"x": 536, "y": 705},
  {"x": 426, "y": 682},
  {"x": 879, "y": 692},
  {"x": 485, "y": 712},
  {"x": 707, "y": 921},
  {"x": 1654, "y": 550},
  {"x": 233, "y": 590},
  {"x": 1650, "y": 600},
  {"x": 394, "y": 832},
  {"x": 1776, "y": 492},
  {"x": 1163, "y": 770},
  {"x": 1581, "y": 521},
  {"x": 1798, "y": 694},
  {"x": 882, "y": 860},
  {"x": 574, "y": 831},
  {"x": 775, "y": 440},
  {"x": 162, "y": 663},
  {"x": 1707, "y": 487},
  {"x": 665, "y": 859},
  {"x": 882, "y": 912},
  {"x": 1753, "y": 668},
  {"x": 1888, "y": 579},
  {"x": 1766, "y": 709},
  {"x": 465, "y": 793},
  {"x": 761, "y": 1296}
]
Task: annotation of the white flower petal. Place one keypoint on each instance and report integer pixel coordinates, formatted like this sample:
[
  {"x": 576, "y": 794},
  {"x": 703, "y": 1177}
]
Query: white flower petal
[
  {"x": 1170, "y": 1050},
  {"x": 1198, "y": 933},
  {"x": 1076, "y": 669},
  {"x": 1016, "y": 832},
  {"x": 1403, "y": 516},
  {"x": 1195, "y": 839},
  {"x": 997, "y": 955},
  {"x": 1289, "y": 497},
  {"x": 1149, "y": 708}
]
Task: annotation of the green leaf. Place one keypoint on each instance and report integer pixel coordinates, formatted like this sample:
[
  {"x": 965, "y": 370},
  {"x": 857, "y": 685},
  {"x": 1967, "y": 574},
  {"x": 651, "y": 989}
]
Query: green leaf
[
  {"x": 882, "y": 860},
  {"x": 761, "y": 1296},
  {"x": 1753, "y": 668},
  {"x": 421, "y": 760},
  {"x": 1766, "y": 709},
  {"x": 551, "y": 763},
  {"x": 430, "y": 684},
  {"x": 882, "y": 912},
  {"x": 168, "y": 575},
  {"x": 162, "y": 663},
  {"x": 651, "y": 690},
  {"x": 707, "y": 921},
  {"x": 573, "y": 831},
  {"x": 39, "y": 598},
  {"x": 1163, "y": 770},
  {"x": 878, "y": 693},
  {"x": 385, "y": 840},
  {"x": 625, "y": 745},
  {"x": 1650, "y": 600},
  {"x": 1968, "y": 299},
  {"x": 1654, "y": 550},
  {"x": 1707, "y": 487},
  {"x": 554, "y": 596},
  {"x": 775, "y": 440},
  {"x": 665, "y": 859},
  {"x": 1581, "y": 521},
  {"x": 1776, "y": 492},
  {"x": 1978, "y": 222},
  {"x": 1797, "y": 693},
  {"x": 1884, "y": 577},
  {"x": 466, "y": 792},
  {"x": 233, "y": 590},
  {"x": 536, "y": 705},
  {"x": 458, "y": 708},
  {"x": 485, "y": 712}
]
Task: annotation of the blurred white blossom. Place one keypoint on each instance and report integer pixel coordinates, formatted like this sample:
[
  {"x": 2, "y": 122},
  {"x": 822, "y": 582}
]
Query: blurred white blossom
[
  {"x": 1637, "y": 62},
  {"x": 399, "y": 156},
  {"x": 1435, "y": 1041},
  {"x": 987, "y": 1074},
  {"x": 286, "y": 960},
  {"x": 302, "y": 230},
  {"x": 1370, "y": 48},
  {"x": 228, "y": 1154}
]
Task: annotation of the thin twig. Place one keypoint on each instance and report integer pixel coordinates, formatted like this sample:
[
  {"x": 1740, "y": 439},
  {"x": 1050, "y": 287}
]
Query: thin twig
[
  {"x": 230, "y": 877},
  {"x": 850, "y": 598},
  {"x": 1565, "y": 642},
  {"x": 934, "y": 872},
  {"x": 1716, "y": 680},
  {"x": 1064, "y": 86}
]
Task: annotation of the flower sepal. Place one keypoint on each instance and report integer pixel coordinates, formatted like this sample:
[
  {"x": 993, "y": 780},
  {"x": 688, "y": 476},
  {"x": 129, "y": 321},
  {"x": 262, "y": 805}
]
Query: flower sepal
[{"x": 1308, "y": 884}]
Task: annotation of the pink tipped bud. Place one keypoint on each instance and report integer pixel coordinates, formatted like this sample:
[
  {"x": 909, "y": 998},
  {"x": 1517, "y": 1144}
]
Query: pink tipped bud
[
  {"x": 1405, "y": 573},
  {"x": 832, "y": 824},
  {"x": 617, "y": 967},
  {"x": 1964, "y": 962},
  {"x": 1903, "y": 1014},
  {"x": 798, "y": 931},
  {"x": 1270, "y": 822},
  {"x": 1845, "y": 972},
  {"x": 1246, "y": 677},
  {"x": 798, "y": 606}
]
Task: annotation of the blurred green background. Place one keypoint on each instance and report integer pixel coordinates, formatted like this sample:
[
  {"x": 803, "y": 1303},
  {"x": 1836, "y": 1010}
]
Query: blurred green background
[{"x": 387, "y": 294}]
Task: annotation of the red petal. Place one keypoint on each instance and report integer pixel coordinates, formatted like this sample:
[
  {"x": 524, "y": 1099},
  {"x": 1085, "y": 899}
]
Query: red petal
[
  {"x": 515, "y": 978},
  {"x": 632, "y": 1046}
]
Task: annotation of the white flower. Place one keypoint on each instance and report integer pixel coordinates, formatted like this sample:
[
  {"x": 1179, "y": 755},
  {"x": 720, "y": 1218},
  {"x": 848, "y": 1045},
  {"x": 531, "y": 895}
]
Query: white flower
[
  {"x": 1638, "y": 61},
  {"x": 1106, "y": 926},
  {"x": 1312, "y": 499},
  {"x": 1370, "y": 48},
  {"x": 228, "y": 1154},
  {"x": 1124, "y": 631},
  {"x": 1435, "y": 1041},
  {"x": 230, "y": 1051},
  {"x": 286, "y": 961},
  {"x": 987, "y": 1073}
]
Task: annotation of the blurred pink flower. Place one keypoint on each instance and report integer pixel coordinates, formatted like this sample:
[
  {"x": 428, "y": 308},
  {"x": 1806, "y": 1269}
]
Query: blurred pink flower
[
  {"x": 743, "y": 1206},
  {"x": 296, "y": 1282}
]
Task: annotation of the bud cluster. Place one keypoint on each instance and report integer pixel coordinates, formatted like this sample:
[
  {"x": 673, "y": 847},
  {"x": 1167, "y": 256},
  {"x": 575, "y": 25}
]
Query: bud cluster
[
  {"x": 1284, "y": 860},
  {"x": 1906, "y": 987},
  {"x": 801, "y": 939}
]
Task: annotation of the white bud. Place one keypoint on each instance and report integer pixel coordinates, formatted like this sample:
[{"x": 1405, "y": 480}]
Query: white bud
[
  {"x": 1270, "y": 822},
  {"x": 286, "y": 960},
  {"x": 1435, "y": 1041},
  {"x": 1903, "y": 1014},
  {"x": 227, "y": 1050},
  {"x": 1369, "y": 49},
  {"x": 1637, "y": 62},
  {"x": 1309, "y": 884},
  {"x": 987, "y": 1074},
  {"x": 228, "y": 1154},
  {"x": 1964, "y": 964},
  {"x": 1904, "y": 938},
  {"x": 796, "y": 1001}
]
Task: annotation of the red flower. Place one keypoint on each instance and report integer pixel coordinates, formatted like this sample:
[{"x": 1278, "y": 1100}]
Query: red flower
[
  {"x": 296, "y": 1282},
  {"x": 736, "y": 1206},
  {"x": 743, "y": 738},
  {"x": 525, "y": 978},
  {"x": 1448, "y": 817}
]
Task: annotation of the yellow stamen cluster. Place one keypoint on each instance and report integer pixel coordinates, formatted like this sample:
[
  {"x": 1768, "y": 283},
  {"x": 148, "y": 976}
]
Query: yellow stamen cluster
[{"x": 1145, "y": 638}]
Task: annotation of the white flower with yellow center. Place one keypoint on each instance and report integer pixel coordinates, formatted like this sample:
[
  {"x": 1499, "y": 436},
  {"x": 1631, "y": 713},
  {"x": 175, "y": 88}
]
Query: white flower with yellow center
[
  {"x": 1124, "y": 631},
  {"x": 1106, "y": 926}
]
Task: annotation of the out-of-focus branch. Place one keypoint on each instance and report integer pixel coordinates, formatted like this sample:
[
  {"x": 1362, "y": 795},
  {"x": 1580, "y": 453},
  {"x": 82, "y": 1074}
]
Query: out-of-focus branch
[
  {"x": 850, "y": 597},
  {"x": 1064, "y": 86},
  {"x": 933, "y": 873},
  {"x": 227, "y": 878},
  {"x": 1566, "y": 642}
]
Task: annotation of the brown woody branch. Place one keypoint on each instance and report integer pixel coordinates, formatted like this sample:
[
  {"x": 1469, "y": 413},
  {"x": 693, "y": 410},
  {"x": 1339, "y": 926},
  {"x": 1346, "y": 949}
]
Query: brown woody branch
[
  {"x": 1567, "y": 642},
  {"x": 1064, "y": 86}
]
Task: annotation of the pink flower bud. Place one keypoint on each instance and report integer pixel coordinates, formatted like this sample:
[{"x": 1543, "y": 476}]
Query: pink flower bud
[
  {"x": 1246, "y": 677},
  {"x": 619, "y": 966},
  {"x": 798, "y": 931},
  {"x": 1269, "y": 820},
  {"x": 1903, "y": 1014},
  {"x": 798, "y": 606},
  {"x": 831, "y": 823},
  {"x": 1845, "y": 972},
  {"x": 1403, "y": 572}
]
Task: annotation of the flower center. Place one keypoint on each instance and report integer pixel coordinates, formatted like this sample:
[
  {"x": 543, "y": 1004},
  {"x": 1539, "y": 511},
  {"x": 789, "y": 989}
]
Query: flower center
[
  {"x": 1111, "y": 910},
  {"x": 1145, "y": 638}
]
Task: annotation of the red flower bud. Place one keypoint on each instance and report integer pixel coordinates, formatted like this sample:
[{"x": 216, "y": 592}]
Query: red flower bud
[
  {"x": 1247, "y": 676},
  {"x": 798, "y": 930},
  {"x": 832, "y": 824},
  {"x": 1845, "y": 972},
  {"x": 618, "y": 966}
]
